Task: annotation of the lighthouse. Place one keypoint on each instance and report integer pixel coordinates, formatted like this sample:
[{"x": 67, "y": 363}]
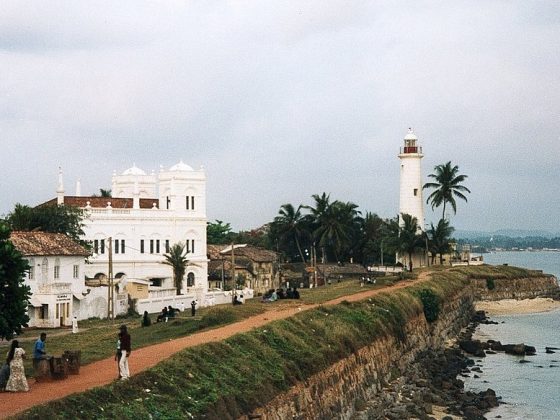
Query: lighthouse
[{"x": 411, "y": 201}]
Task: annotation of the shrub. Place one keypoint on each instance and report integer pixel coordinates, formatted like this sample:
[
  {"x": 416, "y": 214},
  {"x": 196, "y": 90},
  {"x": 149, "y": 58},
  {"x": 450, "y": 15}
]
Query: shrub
[
  {"x": 490, "y": 283},
  {"x": 431, "y": 303}
]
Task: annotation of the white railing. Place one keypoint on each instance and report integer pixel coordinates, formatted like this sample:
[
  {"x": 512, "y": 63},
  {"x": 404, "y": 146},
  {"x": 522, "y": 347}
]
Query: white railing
[
  {"x": 160, "y": 293},
  {"x": 385, "y": 268}
]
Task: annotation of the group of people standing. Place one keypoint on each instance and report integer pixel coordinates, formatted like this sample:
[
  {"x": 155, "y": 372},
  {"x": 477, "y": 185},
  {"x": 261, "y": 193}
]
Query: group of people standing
[{"x": 12, "y": 373}]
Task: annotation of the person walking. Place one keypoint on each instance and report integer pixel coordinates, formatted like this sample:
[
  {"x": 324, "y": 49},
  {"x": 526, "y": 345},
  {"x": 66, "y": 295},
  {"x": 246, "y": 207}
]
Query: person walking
[
  {"x": 124, "y": 337},
  {"x": 118, "y": 355},
  {"x": 17, "y": 381},
  {"x": 74, "y": 325},
  {"x": 193, "y": 308}
]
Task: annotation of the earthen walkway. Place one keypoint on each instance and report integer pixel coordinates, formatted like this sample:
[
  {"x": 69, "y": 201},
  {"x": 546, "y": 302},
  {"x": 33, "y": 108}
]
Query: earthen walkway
[{"x": 104, "y": 371}]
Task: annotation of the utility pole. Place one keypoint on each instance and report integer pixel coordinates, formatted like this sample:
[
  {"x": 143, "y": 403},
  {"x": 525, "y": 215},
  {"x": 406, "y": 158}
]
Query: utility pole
[
  {"x": 314, "y": 262},
  {"x": 232, "y": 273},
  {"x": 110, "y": 297}
]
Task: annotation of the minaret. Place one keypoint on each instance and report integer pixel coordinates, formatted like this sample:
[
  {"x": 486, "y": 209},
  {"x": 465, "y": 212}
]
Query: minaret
[
  {"x": 411, "y": 201},
  {"x": 60, "y": 189}
]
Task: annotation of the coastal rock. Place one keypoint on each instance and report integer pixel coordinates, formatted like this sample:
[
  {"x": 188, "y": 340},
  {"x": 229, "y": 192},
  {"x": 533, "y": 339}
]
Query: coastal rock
[
  {"x": 474, "y": 347},
  {"x": 519, "y": 349}
]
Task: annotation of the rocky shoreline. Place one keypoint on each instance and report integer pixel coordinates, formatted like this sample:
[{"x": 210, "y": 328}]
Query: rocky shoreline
[{"x": 434, "y": 380}]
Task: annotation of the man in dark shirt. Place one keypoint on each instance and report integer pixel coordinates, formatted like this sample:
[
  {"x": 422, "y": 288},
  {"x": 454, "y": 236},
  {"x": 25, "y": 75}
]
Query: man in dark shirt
[{"x": 124, "y": 337}]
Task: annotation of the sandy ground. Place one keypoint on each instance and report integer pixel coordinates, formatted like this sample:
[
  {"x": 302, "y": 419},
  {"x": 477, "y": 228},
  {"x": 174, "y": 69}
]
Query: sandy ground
[
  {"x": 439, "y": 413},
  {"x": 513, "y": 306},
  {"x": 104, "y": 371}
]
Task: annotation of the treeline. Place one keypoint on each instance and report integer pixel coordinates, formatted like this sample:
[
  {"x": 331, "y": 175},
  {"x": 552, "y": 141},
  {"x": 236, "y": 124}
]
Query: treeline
[{"x": 488, "y": 243}]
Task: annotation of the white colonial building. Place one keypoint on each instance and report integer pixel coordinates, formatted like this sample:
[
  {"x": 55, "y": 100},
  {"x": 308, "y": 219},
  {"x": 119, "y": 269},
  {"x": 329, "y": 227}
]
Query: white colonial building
[
  {"x": 145, "y": 216},
  {"x": 55, "y": 277}
]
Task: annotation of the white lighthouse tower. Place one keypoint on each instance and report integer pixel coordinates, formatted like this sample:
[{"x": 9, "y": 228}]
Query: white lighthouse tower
[{"x": 411, "y": 201}]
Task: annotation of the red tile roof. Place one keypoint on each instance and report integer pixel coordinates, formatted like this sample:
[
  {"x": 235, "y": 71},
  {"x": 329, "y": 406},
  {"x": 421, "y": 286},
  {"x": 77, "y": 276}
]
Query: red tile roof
[
  {"x": 46, "y": 243},
  {"x": 101, "y": 202}
]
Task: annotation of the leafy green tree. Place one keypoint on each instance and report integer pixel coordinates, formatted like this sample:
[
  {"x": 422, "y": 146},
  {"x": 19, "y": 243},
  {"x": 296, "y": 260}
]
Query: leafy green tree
[
  {"x": 290, "y": 224},
  {"x": 218, "y": 232},
  {"x": 176, "y": 258},
  {"x": 447, "y": 187},
  {"x": 14, "y": 294},
  {"x": 55, "y": 218},
  {"x": 439, "y": 239}
]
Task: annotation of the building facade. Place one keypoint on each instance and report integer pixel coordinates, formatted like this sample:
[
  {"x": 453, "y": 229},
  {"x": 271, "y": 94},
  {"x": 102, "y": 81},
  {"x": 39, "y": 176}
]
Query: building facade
[
  {"x": 137, "y": 225},
  {"x": 55, "y": 277}
]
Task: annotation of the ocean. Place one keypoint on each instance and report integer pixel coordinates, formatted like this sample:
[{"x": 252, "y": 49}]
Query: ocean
[{"x": 528, "y": 390}]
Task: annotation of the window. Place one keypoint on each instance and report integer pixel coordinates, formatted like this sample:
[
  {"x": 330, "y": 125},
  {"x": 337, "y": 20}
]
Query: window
[
  {"x": 31, "y": 268},
  {"x": 57, "y": 268},
  {"x": 96, "y": 246},
  {"x": 141, "y": 246},
  {"x": 167, "y": 202},
  {"x": 116, "y": 246},
  {"x": 102, "y": 246},
  {"x": 415, "y": 192},
  {"x": 190, "y": 279},
  {"x": 44, "y": 312},
  {"x": 151, "y": 246},
  {"x": 122, "y": 246},
  {"x": 188, "y": 246},
  {"x": 192, "y": 202},
  {"x": 76, "y": 271},
  {"x": 187, "y": 202},
  {"x": 157, "y": 246},
  {"x": 192, "y": 246},
  {"x": 44, "y": 270},
  {"x": 167, "y": 246}
]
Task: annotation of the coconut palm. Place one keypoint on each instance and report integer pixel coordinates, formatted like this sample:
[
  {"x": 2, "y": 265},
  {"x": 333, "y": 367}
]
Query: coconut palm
[
  {"x": 439, "y": 239},
  {"x": 405, "y": 238},
  {"x": 337, "y": 226},
  {"x": 447, "y": 187},
  {"x": 176, "y": 258},
  {"x": 290, "y": 223}
]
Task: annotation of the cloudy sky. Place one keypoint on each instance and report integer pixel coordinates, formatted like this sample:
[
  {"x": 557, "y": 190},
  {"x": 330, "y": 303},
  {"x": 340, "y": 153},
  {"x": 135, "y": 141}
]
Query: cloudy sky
[{"x": 280, "y": 100}]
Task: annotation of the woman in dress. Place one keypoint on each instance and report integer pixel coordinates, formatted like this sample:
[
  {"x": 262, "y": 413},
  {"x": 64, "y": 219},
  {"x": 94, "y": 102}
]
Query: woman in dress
[{"x": 17, "y": 381}]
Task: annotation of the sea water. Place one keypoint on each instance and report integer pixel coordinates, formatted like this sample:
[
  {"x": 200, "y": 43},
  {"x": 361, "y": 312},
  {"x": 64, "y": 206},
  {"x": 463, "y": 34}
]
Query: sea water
[{"x": 528, "y": 390}]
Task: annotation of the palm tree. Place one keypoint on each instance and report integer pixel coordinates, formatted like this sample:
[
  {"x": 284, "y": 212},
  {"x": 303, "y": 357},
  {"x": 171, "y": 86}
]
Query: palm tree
[
  {"x": 447, "y": 187},
  {"x": 439, "y": 239},
  {"x": 372, "y": 227},
  {"x": 177, "y": 259},
  {"x": 318, "y": 215},
  {"x": 405, "y": 237},
  {"x": 336, "y": 227},
  {"x": 291, "y": 224}
]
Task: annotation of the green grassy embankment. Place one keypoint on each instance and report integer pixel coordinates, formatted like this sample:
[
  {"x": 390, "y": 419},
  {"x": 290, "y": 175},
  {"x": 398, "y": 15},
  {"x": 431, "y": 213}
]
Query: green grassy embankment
[{"x": 225, "y": 379}]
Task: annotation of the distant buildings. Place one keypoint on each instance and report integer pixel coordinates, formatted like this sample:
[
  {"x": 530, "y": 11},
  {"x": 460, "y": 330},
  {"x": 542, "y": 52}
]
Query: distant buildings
[{"x": 255, "y": 268}]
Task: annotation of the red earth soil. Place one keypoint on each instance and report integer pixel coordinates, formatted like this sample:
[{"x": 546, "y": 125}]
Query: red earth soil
[{"x": 104, "y": 371}]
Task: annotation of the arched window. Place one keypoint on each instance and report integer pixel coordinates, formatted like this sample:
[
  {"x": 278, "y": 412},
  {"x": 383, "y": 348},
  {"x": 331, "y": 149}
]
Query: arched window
[
  {"x": 31, "y": 268},
  {"x": 44, "y": 270},
  {"x": 57, "y": 268},
  {"x": 190, "y": 279}
]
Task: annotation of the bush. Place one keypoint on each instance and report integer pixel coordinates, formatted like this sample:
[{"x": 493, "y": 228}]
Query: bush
[
  {"x": 431, "y": 303},
  {"x": 490, "y": 283}
]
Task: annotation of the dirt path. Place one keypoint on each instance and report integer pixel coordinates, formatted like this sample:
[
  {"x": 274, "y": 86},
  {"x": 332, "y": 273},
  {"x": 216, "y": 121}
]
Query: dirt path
[{"x": 104, "y": 371}]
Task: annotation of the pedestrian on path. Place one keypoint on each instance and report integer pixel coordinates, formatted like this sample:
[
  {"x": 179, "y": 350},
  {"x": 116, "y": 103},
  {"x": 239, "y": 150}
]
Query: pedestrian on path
[
  {"x": 74, "y": 325},
  {"x": 193, "y": 308},
  {"x": 124, "y": 336},
  {"x": 17, "y": 381}
]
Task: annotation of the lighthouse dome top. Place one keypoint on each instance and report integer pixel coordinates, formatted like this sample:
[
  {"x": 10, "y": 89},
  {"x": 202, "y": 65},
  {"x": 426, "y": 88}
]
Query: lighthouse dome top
[
  {"x": 181, "y": 166},
  {"x": 134, "y": 170},
  {"x": 410, "y": 135}
]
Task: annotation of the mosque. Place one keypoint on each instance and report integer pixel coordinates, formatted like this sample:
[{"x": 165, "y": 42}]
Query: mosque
[{"x": 146, "y": 214}]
